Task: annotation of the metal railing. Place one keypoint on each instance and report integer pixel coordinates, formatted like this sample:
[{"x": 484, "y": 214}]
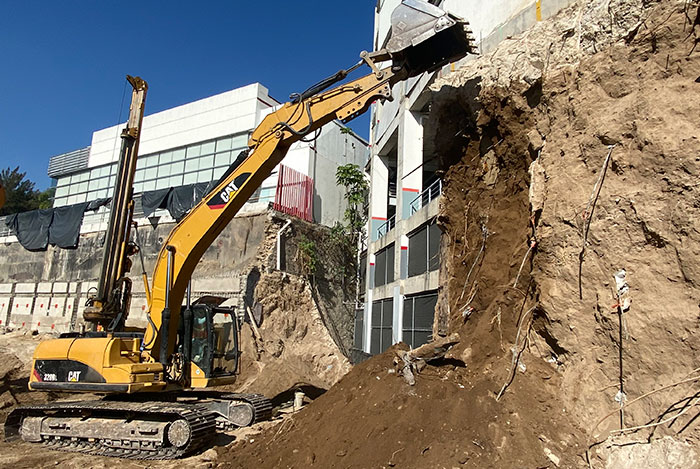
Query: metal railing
[
  {"x": 427, "y": 196},
  {"x": 386, "y": 227}
]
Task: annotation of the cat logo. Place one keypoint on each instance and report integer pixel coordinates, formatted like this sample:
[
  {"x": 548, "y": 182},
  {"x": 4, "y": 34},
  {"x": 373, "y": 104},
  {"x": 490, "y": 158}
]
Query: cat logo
[
  {"x": 221, "y": 199},
  {"x": 74, "y": 376}
]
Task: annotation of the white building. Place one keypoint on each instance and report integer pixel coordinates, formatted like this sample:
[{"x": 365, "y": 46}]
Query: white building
[
  {"x": 195, "y": 143},
  {"x": 402, "y": 258}
]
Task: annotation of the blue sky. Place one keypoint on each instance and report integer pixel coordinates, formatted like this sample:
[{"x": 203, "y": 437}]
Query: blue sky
[{"x": 64, "y": 62}]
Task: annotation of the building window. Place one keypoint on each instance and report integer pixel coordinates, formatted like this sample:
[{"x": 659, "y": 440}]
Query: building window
[
  {"x": 382, "y": 319},
  {"x": 384, "y": 266},
  {"x": 359, "y": 328},
  {"x": 418, "y": 316},
  {"x": 424, "y": 249},
  {"x": 199, "y": 162}
]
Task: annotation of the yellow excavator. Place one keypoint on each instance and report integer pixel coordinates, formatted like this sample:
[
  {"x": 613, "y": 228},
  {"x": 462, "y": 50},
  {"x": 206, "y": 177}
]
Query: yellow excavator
[{"x": 157, "y": 382}]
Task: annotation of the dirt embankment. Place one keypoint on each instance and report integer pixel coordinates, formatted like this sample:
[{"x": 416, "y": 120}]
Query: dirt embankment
[{"x": 294, "y": 348}]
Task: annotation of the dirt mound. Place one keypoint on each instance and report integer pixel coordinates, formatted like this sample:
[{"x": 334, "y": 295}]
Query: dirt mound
[{"x": 372, "y": 418}]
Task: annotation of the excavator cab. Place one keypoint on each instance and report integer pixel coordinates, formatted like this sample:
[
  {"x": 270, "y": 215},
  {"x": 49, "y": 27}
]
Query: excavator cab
[{"x": 213, "y": 342}]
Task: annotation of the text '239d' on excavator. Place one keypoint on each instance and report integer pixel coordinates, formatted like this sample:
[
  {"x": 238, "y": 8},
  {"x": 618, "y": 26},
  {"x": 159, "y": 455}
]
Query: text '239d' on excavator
[{"x": 157, "y": 382}]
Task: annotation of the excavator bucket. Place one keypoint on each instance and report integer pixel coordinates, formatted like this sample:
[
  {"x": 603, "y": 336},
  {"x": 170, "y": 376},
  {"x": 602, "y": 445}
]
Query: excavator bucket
[{"x": 424, "y": 37}]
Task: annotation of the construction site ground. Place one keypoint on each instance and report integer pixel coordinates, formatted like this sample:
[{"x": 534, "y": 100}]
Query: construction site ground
[{"x": 570, "y": 153}]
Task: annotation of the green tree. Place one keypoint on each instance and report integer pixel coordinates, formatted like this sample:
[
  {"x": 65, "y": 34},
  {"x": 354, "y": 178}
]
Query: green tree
[
  {"x": 20, "y": 193},
  {"x": 45, "y": 198},
  {"x": 356, "y": 190}
]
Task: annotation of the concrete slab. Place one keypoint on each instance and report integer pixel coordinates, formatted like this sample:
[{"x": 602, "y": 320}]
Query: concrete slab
[
  {"x": 57, "y": 306},
  {"x": 41, "y": 306},
  {"x": 137, "y": 312},
  {"x": 25, "y": 287},
  {"x": 231, "y": 284},
  {"x": 88, "y": 288},
  {"x": 71, "y": 304},
  {"x": 44, "y": 287},
  {"x": 60, "y": 287},
  {"x": 4, "y": 309},
  {"x": 73, "y": 287},
  {"x": 6, "y": 287},
  {"x": 21, "y": 321},
  {"x": 22, "y": 305},
  {"x": 49, "y": 324},
  {"x": 79, "y": 313}
]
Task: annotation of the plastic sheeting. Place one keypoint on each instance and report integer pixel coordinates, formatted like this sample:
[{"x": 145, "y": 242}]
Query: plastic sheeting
[
  {"x": 177, "y": 200},
  {"x": 64, "y": 230},
  {"x": 59, "y": 226},
  {"x": 153, "y": 200},
  {"x": 182, "y": 199},
  {"x": 32, "y": 228}
]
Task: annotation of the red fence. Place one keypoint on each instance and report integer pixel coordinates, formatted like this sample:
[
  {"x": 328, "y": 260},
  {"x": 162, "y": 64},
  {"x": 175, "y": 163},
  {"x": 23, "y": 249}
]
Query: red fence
[{"x": 295, "y": 193}]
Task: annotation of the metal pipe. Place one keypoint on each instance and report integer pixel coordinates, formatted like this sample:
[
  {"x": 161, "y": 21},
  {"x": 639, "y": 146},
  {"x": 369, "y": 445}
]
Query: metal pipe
[
  {"x": 165, "y": 316},
  {"x": 279, "y": 243}
]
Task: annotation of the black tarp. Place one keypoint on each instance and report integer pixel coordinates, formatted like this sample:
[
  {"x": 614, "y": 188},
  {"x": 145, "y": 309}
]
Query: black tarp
[
  {"x": 97, "y": 203},
  {"x": 182, "y": 199},
  {"x": 65, "y": 226},
  {"x": 59, "y": 226},
  {"x": 177, "y": 200},
  {"x": 32, "y": 228},
  {"x": 153, "y": 200}
]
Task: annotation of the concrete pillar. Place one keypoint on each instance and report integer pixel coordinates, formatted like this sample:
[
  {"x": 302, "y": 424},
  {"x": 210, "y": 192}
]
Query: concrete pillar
[
  {"x": 379, "y": 188},
  {"x": 403, "y": 258},
  {"x": 410, "y": 162},
  {"x": 397, "y": 325},
  {"x": 367, "y": 322}
]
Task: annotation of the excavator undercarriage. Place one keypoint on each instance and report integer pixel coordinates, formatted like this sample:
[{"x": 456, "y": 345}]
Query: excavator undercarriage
[{"x": 151, "y": 427}]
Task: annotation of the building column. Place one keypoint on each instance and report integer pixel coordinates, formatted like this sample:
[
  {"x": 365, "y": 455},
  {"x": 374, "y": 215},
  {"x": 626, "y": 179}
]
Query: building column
[
  {"x": 397, "y": 324},
  {"x": 410, "y": 162},
  {"x": 367, "y": 336},
  {"x": 379, "y": 188}
]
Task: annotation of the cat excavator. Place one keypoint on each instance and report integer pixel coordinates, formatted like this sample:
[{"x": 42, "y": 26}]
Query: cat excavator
[{"x": 156, "y": 383}]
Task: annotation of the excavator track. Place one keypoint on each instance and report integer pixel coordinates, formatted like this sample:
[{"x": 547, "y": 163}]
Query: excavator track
[
  {"x": 262, "y": 406},
  {"x": 184, "y": 428}
]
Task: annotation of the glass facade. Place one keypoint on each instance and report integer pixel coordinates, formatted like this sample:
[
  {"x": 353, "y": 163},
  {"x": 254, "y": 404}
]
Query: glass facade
[
  {"x": 418, "y": 316},
  {"x": 198, "y": 162}
]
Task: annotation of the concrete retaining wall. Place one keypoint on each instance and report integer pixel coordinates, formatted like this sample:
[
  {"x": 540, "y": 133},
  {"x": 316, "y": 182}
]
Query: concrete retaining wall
[{"x": 46, "y": 291}]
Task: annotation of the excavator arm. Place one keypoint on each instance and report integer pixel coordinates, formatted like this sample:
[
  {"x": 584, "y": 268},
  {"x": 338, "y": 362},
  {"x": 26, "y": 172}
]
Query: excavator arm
[
  {"x": 268, "y": 145},
  {"x": 430, "y": 39}
]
